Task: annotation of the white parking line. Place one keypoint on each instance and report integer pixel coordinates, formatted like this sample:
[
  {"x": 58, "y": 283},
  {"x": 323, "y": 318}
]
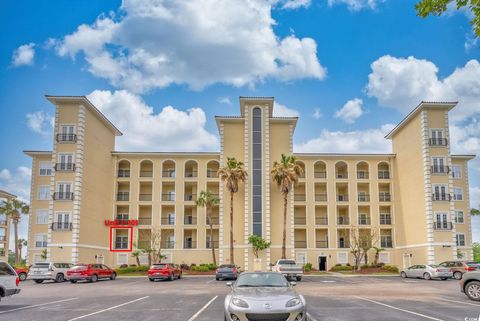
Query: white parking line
[
  {"x": 212, "y": 280},
  {"x": 37, "y": 305},
  {"x": 202, "y": 309},
  {"x": 399, "y": 309},
  {"x": 108, "y": 309},
  {"x": 468, "y": 303},
  {"x": 310, "y": 318}
]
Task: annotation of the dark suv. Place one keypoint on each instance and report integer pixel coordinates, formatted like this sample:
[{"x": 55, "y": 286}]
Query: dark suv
[{"x": 458, "y": 268}]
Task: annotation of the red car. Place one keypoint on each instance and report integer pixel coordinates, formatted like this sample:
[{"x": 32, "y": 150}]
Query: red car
[
  {"x": 22, "y": 273},
  {"x": 90, "y": 272},
  {"x": 167, "y": 271}
]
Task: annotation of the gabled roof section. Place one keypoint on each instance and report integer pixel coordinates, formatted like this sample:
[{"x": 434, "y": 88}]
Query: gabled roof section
[
  {"x": 4, "y": 194},
  {"x": 87, "y": 103},
  {"x": 464, "y": 157},
  {"x": 424, "y": 104},
  {"x": 33, "y": 153},
  {"x": 258, "y": 100}
]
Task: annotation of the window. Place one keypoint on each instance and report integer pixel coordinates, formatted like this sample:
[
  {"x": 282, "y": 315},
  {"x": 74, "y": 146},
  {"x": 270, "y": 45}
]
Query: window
[
  {"x": 457, "y": 171},
  {"x": 67, "y": 133},
  {"x": 440, "y": 193},
  {"x": 441, "y": 221},
  {"x": 385, "y": 219},
  {"x": 43, "y": 193},
  {"x": 122, "y": 216},
  {"x": 363, "y": 219},
  {"x": 40, "y": 240},
  {"x": 41, "y": 217},
  {"x": 64, "y": 191},
  {"x": 459, "y": 218},
  {"x": 122, "y": 258},
  {"x": 438, "y": 165},
  {"x": 65, "y": 162},
  {"x": 460, "y": 239},
  {"x": 457, "y": 194},
  {"x": 384, "y": 257},
  {"x": 45, "y": 169},
  {"x": 62, "y": 221},
  {"x": 5, "y": 269},
  {"x": 257, "y": 172},
  {"x": 386, "y": 239},
  {"x": 436, "y": 137},
  {"x": 342, "y": 257},
  {"x": 121, "y": 239}
]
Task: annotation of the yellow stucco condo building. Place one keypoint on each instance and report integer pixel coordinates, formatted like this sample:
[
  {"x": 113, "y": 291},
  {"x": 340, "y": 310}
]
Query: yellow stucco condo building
[
  {"x": 91, "y": 203},
  {"x": 5, "y": 222}
]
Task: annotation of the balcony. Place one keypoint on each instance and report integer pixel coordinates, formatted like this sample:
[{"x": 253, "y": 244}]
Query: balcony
[
  {"x": 65, "y": 167},
  {"x": 299, "y": 197},
  {"x": 442, "y": 226},
  {"x": 167, "y": 220},
  {"x": 144, "y": 221},
  {"x": 66, "y": 138},
  {"x": 362, "y": 175},
  {"x": 123, "y": 173},
  {"x": 438, "y": 142},
  {"x": 321, "y": 244},
  {"x": 191, "y": 174},
  {"x": 364, "y": 221},
  {"x": 168, "y": 174},
  {"x": 321, "y": 220},
  {"x": 144, "y": 244},
  {"x": 145, "y": 197},
  {"x": 214, "y": 219},
  {"x": 320, "y": 174},
  {"x": 63, "y": 196},
  {"x": 167, "y": 244},
  {"x": 299, "y": 220},
  {"x": 3, "y": 238},
  {"x": 123, "y": 196},
  {"x": 146, "y": 173},
  {"x": 188, "y": 244},
  {"x": 363, "y": 197},
  {"x": 385, "y": 219},
  {"x": 342, "y": 198},
  {"x": 441, "y": 197},
  {"x": 343, "y": 220},
  {"x": 212, "y": 174},
  {"x": 383, "y": 175},
  {"x": 61, "y": 226},
  {"x": 168, "y": 197},
  {"x": 190, "y": 197},
  {"x": 190, "y": 220},
  {"x": 384, "y": 197},
  {"x": 321, "y": 197},
  {"x": 300, "y": 244},
  {"x": 343, "y": 244},
  {"x": 208, "y": 244},
  {"x": 439, "y": 169}
]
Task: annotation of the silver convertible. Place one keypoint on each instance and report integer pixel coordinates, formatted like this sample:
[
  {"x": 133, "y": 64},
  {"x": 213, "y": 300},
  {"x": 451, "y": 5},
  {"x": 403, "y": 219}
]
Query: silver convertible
[{"x": 264, "y": 296}]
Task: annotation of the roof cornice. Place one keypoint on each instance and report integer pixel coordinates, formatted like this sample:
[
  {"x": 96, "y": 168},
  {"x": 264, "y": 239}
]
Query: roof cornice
[{"x": 33, "y": 153}]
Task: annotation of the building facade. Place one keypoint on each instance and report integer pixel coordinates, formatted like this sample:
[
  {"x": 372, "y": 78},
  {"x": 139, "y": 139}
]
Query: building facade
[
  {"x": 4, "y": 228},
  {"x": 91, "y": 203}
]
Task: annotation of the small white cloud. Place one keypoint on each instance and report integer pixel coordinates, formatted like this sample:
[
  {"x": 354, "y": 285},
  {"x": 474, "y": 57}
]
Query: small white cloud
[
  {"x": 170, "y": 129},
  {"x": 17, "y": 183},
  {"x": 40, "y": 122},
  {"x": 225, "y": 100},
  {"x": 317, "y": 114},
  {"x": 294, "y": 4},
  {"x": 357, "y": 5},
  {"x": 24, "y": 55},
  {"x": 358, "y": 141},
  {"x": 280, "y": 110},
  {"x": 350, "y": 111}
]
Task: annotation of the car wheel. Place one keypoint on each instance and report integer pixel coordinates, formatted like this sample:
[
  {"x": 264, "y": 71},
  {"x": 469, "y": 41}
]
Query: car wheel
[
  {"x": 113, "y": 276},
  {"x": 94, "y": 278},
  {"x": 299, "y": 278},
  {"x": 443, "y": 279},
  {"x": 403, "y": 275},
  {"x": 218, "y": 279},
  {"x": 170, "y": 277},
  {"x": 180, "y": 276},
  {"x": 59, "y": 278},
  {"x": 73, "y": 281},
  {"x": 22, "y": 276},
  {"x": 457, "y": 275},
  {"x": 151, "y": 280},
  {"x": 38, "y": 281},
  {"x": 472, "y": 290},
  {"x": 427, "y": 276}
]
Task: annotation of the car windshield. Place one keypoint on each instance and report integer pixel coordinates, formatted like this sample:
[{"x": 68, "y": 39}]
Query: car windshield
[
  {"x": 226, "y": 266},
  {"x": 433, "y": 265},
  {"x": 158, "y": 266},
  {"x": 41, "y": 265},
  {"x": 79, "y": 267},
  {"x": 286, "y": 262},
  {"x": 261, "y": 280}
]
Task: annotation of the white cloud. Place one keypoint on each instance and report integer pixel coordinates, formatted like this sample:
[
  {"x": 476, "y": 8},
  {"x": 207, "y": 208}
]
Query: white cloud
[
  {"x": 294, "y": 4},
  {"x": 156, "y": 43},
  {"x": 24, "y": 55},
  {"x": 470, "y": 42},
  {"x": 280, "y": 110},
  {"x": 317, "y": 114},
  {"x": 356, "y": 5},
  {"x": 350, "y": 111},
  {"x": 169, "y": 130},
  {"x": 40, "y": 122},
  {"x": 358, "y": 141},
  {"x": 225, "y": 100},
  {"x": 475, "y": 197},
  {"x": 401, "y": 83},
  {"x": 17, "y": 183}
]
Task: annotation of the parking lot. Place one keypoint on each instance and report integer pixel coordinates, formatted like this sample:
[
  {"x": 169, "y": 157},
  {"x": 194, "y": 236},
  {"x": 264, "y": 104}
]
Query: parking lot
[{"x": 201, "y": 298}]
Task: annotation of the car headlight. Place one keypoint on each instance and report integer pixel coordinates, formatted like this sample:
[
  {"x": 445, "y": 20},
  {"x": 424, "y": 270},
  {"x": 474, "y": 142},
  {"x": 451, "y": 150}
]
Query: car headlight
[
  {"x": 239, "y": 303},
  {"x": 293, "y": 302}
]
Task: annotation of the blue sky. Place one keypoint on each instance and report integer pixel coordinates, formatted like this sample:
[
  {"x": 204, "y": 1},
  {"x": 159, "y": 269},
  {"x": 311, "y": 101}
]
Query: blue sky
[{"x": 349, "y": 68}]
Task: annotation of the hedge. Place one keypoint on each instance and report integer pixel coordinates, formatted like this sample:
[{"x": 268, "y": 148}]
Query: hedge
[
  {"x": 200, "y": 268},
  {"x": 132, "y": 269},
  {"x": 338, "y": 268}
]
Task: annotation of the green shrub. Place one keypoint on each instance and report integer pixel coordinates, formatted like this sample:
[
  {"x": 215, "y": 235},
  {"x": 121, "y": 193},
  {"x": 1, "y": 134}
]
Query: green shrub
[
  {"x": 210, "y": 266},
  {"x": 338, "y": 268},
  {"x": 308, "y": 267},
  {"x": 390, "y": 268},
  {"x": 132, "y": 269},
  {"x": 365, "y": 266},
  {"x": 200, "y": 268}
]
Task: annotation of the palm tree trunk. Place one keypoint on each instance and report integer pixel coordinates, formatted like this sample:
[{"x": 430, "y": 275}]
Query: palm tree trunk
[
  {"x": 284, "y": 239},
  {"x": 15, "y": 230},
  {"x": 209, "y": 215},
  {"x": 232, "y": 261},
  {"x": 138, "y": 260}
]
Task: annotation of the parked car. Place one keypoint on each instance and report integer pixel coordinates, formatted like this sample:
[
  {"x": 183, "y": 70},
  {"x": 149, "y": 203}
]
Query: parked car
[
  {"x": 264, "y": 296},
  {"x": 167, "y": 271},
  {"x": 22, "y": 273},
  {"x": 460, "y": 267},
  {"x": 90, "y": 272},
  {"x": 9, "y": 280},
  {"x": 226, "y": 271},
  {"x": 426, "y": 272},
  {"x": 470, "y": 285},
  {"x": 289, "y": 268},
  {"x": 40, "y": 272}
]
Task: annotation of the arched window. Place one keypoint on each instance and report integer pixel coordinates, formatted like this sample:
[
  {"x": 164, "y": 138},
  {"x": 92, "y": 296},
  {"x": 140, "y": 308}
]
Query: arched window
[{"x": 257, "y": 171}]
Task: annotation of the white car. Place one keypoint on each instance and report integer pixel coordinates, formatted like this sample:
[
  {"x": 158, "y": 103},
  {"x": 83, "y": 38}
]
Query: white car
[
  {"x": 8, "y": 280},
  {"x": 57, "y": 272},
  {"x": 427, "y": 272}
]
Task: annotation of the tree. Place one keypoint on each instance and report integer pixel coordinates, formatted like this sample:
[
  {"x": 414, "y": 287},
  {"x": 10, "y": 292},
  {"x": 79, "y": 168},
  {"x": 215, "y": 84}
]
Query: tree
[
  {"x": 476, "y": 252},
  {"x": 136, "y": 254},
  {"x": 232, "y": 174},
  {"x": 208, "y": 200},
  {"x": 258, "y": 243},
  {"x": 355, "y": 246},
  {"x": 474, "y": 211},
  {"x": 460, "y": 255},
  {"x": 21, "y": 243},
  {"x": 361, "y": 241},
  {"x": 44, "y": 254},
  {"x": 368, "y": 237},
  {"x": 14, "y": 208},
  {"x": 438, "y": 7},
  {"x": 377, "y": 254},
  {"x": 285, "y": 174}
]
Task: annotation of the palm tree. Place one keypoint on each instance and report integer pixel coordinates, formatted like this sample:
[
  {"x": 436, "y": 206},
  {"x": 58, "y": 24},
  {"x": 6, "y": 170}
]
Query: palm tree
[
  {"x": 136, "y": 254},
  {"x": 14, "y": 208},
  {"x": 208, "y": 200},
  {"x": 285, "y": 174},
  {"x": 21, "y": 243},
  {"x": 232, "y": 174}
]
